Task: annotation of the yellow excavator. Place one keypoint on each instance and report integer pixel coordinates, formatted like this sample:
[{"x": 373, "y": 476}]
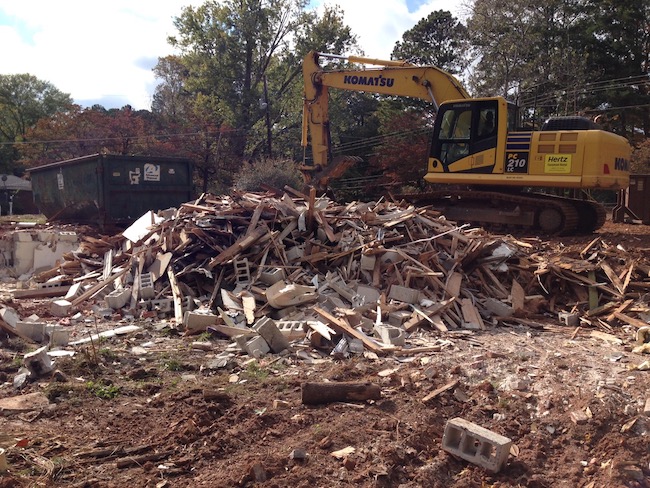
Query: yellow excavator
[{"x": 497, "y": 171}]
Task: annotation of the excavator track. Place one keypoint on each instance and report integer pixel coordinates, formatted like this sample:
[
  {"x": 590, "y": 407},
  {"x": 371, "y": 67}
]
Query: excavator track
[{"x": 531, "y": 212}]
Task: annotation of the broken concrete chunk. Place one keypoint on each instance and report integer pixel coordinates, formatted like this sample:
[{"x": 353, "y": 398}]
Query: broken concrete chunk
[
  {"x": 404, "y": 294},
  {"x": 198, "y": 321},
  {"x": 60, "y": 307},
  {"x": 267, "y": 328},
  {"x": 255, "y": 347},
  {"x": 38, "y": 362},
  {"x": 391, "y": 335},
  {"x": 282, "y": 294}
]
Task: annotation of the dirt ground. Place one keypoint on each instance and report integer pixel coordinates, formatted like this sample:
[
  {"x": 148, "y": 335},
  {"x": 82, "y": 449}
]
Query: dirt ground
[{"x": 151, "y": 409}]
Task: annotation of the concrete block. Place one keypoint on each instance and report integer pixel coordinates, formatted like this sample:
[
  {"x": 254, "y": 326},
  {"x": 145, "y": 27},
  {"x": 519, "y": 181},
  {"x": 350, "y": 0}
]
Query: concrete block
[
  {"x": 266, "y": 328},
  {"x": 398, "y": 317},
  {"x": 391, "y": 335},
  {"x": 255, "y": 347},
  {"x": 34, "y": 330},
  {"x": 272, "y": 276},
  {"x": 118, "y": 298},
  {"x": 369, "y": 294},
  {"x": 242, "y": 271},
  {"x": 161, "y": 305},
  {"x": 291, "y": 329},
  {"x": 147, "y": 290},
  {"x": 38, "y": 362},
  {"x": 59, "y": 337},
  {"x": 10, "y": 316},
  {"x": 476, "y": 444},
  {"x": 281, "y": 294},
  {"x": 498, "y": 308},
  {"x": 295, "y": 253},
  {"x": 404, "y": 294},
  {"x": 68, "y": 236},
  {"x": 23, "y": 236},
  {"x": 74, "y": 291},
  {"x": 570, "y": 319},
  {"x": 368, "y": 262},
  {"x": 198, "y": 321},
  {"x": 60, "y": 307}
]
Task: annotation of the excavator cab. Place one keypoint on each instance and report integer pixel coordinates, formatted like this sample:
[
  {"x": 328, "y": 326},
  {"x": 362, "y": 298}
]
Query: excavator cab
[{"x": 467, "y": 133}]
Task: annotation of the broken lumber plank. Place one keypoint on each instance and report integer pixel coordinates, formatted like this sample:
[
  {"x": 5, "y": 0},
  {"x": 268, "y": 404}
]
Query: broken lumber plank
[
  {"x": 438, "y": 391},
  {"x": 240, "y": 245},
  {"x": 176, "y": 295},
  {"x": 471, "y": 317},
  {"x": 343, "y": 327},
  {"x": 624, "y": 306},
  {"x": 323, "y": 392},
  {"x": 630, "y": 320},
  {"x": 48, "y": 292},
  {"x": 140, "y": 460},
  {"x": 613, "y": 277},
  {"x": 427, "y": 315}
]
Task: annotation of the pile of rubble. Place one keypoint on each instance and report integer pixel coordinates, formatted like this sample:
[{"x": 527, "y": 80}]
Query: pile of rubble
[{"x": 265, "y": 270}]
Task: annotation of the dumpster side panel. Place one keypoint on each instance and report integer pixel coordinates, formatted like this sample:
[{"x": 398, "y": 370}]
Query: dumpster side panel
[
  {"x": 69, "y": 192},
  {"x": 639, "y": 196},
  {"x": 137, "y": 185}
]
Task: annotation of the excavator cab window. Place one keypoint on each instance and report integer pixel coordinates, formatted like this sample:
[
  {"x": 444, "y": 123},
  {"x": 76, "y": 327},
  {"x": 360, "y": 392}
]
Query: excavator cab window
[
  {"x": 455, "y": 132},
  {"x": 465, "y": 128}
]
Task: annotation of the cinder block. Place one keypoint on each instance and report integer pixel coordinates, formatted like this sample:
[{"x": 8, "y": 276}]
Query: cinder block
[
  {"x": 59, "y": 337},
  {"x": 570, "y": 319},
  {"x": 10, "y": 316},
  {"x": 162, "y": 305},
  {"x": 391, "y": 335},
  {"x": 272, "y": 276},
  {"x": 118, "y": 298},
  {"x": 476, "y": 444},
  {"x": 197, "y": 321},
  {"x": 368, "y": 262},
  {"x": 255, "y": 347},
  {"x": 404, "y": 294},
  {"x": 398, "y": 317},
  {"x": 242, "y": 271},
  {"x": 38, "y": 362},
  {"x": 33, "y": 330},
  {"x": 74, "y": 291},
  {"x": 146, "y": 290},
  {"x": 269, "y": 331},
  {"x": 292, "y": 329},
  {"x": 60, "y": 307}
]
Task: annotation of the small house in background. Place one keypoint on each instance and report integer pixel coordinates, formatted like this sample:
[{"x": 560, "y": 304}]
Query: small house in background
[
  {"x": 107, "y": 189},
  {"x": 15, "y": 195}
]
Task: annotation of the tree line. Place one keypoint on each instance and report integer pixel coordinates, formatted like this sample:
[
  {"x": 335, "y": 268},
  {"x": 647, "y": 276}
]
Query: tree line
[{"x": 231, "y": 98}]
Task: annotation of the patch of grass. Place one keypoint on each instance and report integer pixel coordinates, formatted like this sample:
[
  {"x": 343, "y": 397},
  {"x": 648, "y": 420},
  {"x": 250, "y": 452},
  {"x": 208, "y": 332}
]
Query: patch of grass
[
  {"x": 173, "y": 365},
  {"x": 204, "y": 337},
  {"x": 108, "y": 354},
  {"x": 254, "y": 372},
  {"x": 101, "y": 390}
]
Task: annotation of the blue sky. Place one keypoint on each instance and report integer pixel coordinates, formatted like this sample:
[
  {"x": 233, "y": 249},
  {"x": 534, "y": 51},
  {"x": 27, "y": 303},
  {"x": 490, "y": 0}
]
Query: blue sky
[{"x": 103, "y": 52}]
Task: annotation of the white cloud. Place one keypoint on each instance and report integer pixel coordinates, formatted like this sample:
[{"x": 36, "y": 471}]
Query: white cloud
[
  {"x": 96, "y": 51},
  {"x": 103, "y": 52}
]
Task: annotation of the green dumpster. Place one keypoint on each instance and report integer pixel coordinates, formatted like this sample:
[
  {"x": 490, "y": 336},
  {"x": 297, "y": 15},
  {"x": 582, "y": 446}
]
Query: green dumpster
[{"x": 108, "y": 189}]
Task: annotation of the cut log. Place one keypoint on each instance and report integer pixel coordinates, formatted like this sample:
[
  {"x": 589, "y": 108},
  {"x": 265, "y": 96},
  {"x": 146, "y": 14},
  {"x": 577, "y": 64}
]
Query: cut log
[{"x": 319, "y": 393}]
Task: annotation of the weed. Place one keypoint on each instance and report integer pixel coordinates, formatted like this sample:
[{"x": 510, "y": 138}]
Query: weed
[
  {"x": 254, "y": 372},
  {"x": 173, "y": 365},
  {"x": 101, "y": 390},
  {"x": 204, "y": 337},
  {"x": 108, "y": 354}
]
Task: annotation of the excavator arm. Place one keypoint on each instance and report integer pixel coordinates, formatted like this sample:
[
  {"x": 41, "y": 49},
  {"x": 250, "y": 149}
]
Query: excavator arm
[{"x": 397, "y": 78}]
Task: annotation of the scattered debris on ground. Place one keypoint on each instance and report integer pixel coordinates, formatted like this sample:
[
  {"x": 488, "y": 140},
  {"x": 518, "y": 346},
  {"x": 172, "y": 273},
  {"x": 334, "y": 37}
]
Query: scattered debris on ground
[{"x": 227, "y": 331}]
